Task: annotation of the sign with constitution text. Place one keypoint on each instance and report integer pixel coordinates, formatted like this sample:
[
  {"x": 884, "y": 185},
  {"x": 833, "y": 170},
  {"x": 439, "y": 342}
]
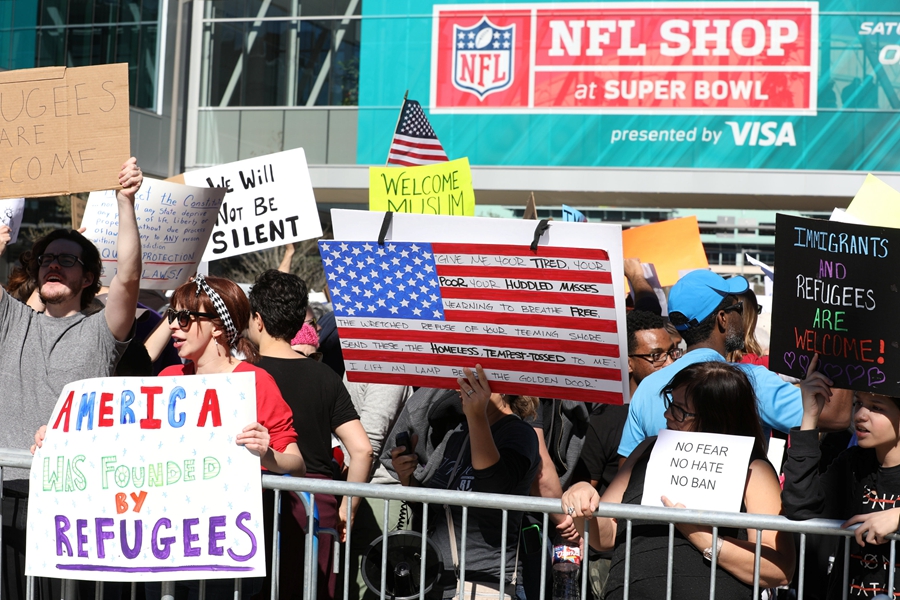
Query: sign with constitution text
[
  {"x": 141, "y": 479},
  {"x": 443, "y": 293}
]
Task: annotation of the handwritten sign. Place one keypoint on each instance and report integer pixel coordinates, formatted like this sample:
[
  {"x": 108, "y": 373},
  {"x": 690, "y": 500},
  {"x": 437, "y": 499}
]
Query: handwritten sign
[
  {"x": 703, "y": 471},
  {"x": 64, "y": 130},
  {"x": 175, "y": 222},
  {"x": 443, "y": 188},
  {"x": 11, "y": 215},
  {"x": 270, "y": 203},
  {"x": 836, "y": 296},
  {"x": 573, "y": 214},
  {"x": 876, "y": 202},
  {"x": 141, "y": 477},
  {"x": 436, "y": 298},
  {"x": 672, "y": 246}
]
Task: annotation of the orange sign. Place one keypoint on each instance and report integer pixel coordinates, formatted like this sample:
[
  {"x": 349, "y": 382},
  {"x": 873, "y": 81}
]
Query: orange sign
[{"x": 672, "y": 246}]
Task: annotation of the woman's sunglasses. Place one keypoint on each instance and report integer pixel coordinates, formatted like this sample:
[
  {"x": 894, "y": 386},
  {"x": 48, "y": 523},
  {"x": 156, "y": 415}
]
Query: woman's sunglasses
[{"x": 184, "y": 317}]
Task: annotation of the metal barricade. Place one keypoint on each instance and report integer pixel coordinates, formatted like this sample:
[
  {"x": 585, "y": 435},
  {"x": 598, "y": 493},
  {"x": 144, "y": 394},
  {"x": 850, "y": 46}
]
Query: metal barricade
[{"x": 307, "y": 490}]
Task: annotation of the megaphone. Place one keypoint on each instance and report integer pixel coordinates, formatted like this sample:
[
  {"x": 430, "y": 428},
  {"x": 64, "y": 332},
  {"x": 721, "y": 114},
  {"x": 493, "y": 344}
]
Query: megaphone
[{"x": 403, "y": 565}]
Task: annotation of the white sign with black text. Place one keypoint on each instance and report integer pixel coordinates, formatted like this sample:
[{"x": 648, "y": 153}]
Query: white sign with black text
[
  {"x": 270, "y": 203},
  {"x": 702, "y": 471}
]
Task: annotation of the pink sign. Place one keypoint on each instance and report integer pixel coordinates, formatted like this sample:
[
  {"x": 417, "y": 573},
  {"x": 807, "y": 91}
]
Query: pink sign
[{"x": 636, "y": 57}]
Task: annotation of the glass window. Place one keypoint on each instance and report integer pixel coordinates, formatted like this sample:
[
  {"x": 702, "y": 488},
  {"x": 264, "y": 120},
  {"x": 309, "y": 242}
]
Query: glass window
[
  {"x": 146, "y": 75},
  {"x": 127, "y": 49},
  {"x": 106, "y": 11},
  {"x": 79, "y": 47},
  {"x": 314, "y": 44},
  {"x": 54, "y": 12},
  {"x": 130, "y": 11},
  {"x": 81, "y": 12},
  {"x": 345, "y": 65},
  {"x": 226, "y": 48},
  {"x": 52, "y": 51},
  {"x": 263, "y": 80},
  {"x": 104, "y": 45}
]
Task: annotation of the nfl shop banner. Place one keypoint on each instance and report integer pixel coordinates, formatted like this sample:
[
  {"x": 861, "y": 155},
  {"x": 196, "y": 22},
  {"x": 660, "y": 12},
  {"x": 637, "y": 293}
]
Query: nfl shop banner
[
  {"x": 683, "y": 84},
  {"x": 140, "y": 479},
  {"x": 440, "y": 293},
  {"x": 631, "y": 57}
]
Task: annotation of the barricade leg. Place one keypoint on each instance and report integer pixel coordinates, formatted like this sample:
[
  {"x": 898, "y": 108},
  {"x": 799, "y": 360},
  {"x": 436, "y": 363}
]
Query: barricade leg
[
  {"x": 168, "y": 590},
  {"x": 276, "y": 562}
]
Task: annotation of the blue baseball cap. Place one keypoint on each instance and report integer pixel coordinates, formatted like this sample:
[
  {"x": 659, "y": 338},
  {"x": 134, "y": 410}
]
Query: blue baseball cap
[{"x": 697, "y": 294}]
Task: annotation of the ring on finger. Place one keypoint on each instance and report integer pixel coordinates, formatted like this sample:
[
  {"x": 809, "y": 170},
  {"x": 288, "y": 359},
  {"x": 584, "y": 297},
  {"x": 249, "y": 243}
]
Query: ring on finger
[
  {"x": 570, "y": 510},
  {"x": 469, "y": 392}
]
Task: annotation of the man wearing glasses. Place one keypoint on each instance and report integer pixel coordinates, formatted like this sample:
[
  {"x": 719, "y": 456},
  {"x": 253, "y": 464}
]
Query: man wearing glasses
[
  {"x": 705, "y": 310},
  {"x": 42, "y": 352},
  {"x": 650, "y": 346}
]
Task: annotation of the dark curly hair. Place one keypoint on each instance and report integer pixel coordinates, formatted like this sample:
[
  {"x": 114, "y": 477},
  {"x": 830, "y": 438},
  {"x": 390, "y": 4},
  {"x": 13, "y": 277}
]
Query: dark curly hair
[
  {"x": 280, "y": 299},
  {"x": 641, "y": 320},
  {"x": 90, "y": 256}
]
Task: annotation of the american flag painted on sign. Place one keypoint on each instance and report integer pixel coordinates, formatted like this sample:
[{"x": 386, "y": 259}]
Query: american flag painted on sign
[{"x": 416, "y": 313}]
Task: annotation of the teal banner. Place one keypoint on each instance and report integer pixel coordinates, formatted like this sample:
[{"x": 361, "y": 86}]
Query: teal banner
[{"x": 758, "y": 85}]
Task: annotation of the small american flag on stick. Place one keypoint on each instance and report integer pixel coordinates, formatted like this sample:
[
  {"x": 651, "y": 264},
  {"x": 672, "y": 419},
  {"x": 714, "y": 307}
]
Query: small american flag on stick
[
  {"x": 416, "y": 313},
  {"x": 415, "y": 142}
]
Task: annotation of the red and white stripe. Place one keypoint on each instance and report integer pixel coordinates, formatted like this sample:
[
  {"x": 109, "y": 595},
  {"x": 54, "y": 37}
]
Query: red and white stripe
[{"x": 409, "y": 151}]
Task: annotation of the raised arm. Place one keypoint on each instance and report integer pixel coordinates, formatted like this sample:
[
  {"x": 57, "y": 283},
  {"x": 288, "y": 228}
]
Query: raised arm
[{"x": 125, "y": 286}]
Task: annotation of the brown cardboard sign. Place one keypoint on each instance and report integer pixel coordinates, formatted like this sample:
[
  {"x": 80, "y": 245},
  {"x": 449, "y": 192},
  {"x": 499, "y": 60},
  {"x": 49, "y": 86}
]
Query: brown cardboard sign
[{"x": 63, "y": 130}]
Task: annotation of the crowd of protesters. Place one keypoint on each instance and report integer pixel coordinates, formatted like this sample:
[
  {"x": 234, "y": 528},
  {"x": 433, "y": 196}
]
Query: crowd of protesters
[{"x": 700, "y": 368}]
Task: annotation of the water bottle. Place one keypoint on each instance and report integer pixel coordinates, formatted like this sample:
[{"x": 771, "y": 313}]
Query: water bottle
[{"x": 566, "y": 565}]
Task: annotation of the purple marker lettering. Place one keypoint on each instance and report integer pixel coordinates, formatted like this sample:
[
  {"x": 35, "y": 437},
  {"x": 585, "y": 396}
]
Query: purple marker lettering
[
  {"x": 215, "y": 523},
  {"x": 103, "y": 535},
  {"x": 62, "y": 526},
  {"x": 81, "y": 536},
  {"x": 244, "y": 516},
  {"x": 190, "y": 537},
  {"x": 135, "y": 550},
  {"x": 161, "y": 546}
]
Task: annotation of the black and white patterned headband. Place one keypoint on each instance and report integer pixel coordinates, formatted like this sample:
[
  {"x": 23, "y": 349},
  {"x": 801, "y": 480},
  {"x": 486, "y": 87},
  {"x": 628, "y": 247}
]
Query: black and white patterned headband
[{"x": 230, "y": 331}]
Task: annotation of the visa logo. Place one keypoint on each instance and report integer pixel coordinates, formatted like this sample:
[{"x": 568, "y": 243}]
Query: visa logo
[{"x": 756, "y": 133}]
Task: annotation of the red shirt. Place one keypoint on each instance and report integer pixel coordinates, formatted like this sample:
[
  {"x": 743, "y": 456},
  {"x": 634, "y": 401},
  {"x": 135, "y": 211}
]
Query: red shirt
[{"x": 272, "y": 412}]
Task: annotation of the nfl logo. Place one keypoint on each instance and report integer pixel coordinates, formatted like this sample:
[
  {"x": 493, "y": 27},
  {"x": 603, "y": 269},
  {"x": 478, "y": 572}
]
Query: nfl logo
[{"x": 483, "y": 58}]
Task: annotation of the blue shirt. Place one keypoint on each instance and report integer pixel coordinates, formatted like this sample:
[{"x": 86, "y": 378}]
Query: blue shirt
[{"x": 779, "y": 403}]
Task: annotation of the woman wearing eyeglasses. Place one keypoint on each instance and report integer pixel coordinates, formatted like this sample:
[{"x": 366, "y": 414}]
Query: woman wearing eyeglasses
[
  {"x": 709, "y": 397},
  {"x": 206, "y": 320},
  {"x": 753, "y": 352}
]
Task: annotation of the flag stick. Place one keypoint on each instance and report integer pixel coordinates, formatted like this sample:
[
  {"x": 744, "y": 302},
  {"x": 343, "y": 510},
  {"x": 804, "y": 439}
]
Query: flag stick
[{"x": 402, "y": 106}]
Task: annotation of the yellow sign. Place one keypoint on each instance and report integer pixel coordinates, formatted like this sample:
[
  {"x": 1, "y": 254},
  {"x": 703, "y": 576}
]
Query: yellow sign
[
  {"x": 440, "y": 189},
  {"x": 876, "y": 203}
]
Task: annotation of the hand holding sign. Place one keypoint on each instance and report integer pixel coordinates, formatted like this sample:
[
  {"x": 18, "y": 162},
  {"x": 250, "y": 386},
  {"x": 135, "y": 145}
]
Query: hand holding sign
[{"x": 816, "y": 391}]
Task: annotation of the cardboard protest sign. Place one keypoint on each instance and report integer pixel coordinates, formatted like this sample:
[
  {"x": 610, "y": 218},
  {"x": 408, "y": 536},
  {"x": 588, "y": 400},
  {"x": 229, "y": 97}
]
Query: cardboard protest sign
[
  {"x": 444, "y": 293},
  {"x": 64, "y": 130},
  {"x": 837, "y": 295},
  {"x": 270, "y": 203},
  {"x": 671, "y": 246},
  {"x": 703, "y": 471},
  {"x": 11, "y": 215},
  {"x": 443, "y": 188},
  {"x": 175, "y": 222},
  {"x": 140, "y": 478},
  {"x": 76, "y": 208},
  {"x": 876, "y": 203},
  {"x": 573, "y": 214}
]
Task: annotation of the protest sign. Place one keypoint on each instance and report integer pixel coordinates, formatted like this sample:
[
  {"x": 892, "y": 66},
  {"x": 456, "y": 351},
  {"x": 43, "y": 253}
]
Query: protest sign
[
  {"x": 443, "y": 188},
  {"x": 836, "y": 296},
  {"x": 270, "y": 203},
  {"x": 65, "y": 130},
  {"x": 140, "y": 478},
  {"x": 444, "y": 293},
  {"x": 530, "y": 209},
  {"x": 703, "y": 471},
  {"x": 11, "y": 215},
  {"x": 671, "y": 246},
  {"x": 573, "y": 214},
  {"x": 876, "y": 202},
  {"x": 174, "y": 221},
  {"x": 76, "y": 207}
]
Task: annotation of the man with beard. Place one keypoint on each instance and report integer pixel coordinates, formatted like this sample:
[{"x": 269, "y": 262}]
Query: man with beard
[
  {"x": 704, "y": 309},
  {"x": 42, "y": 352}
]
